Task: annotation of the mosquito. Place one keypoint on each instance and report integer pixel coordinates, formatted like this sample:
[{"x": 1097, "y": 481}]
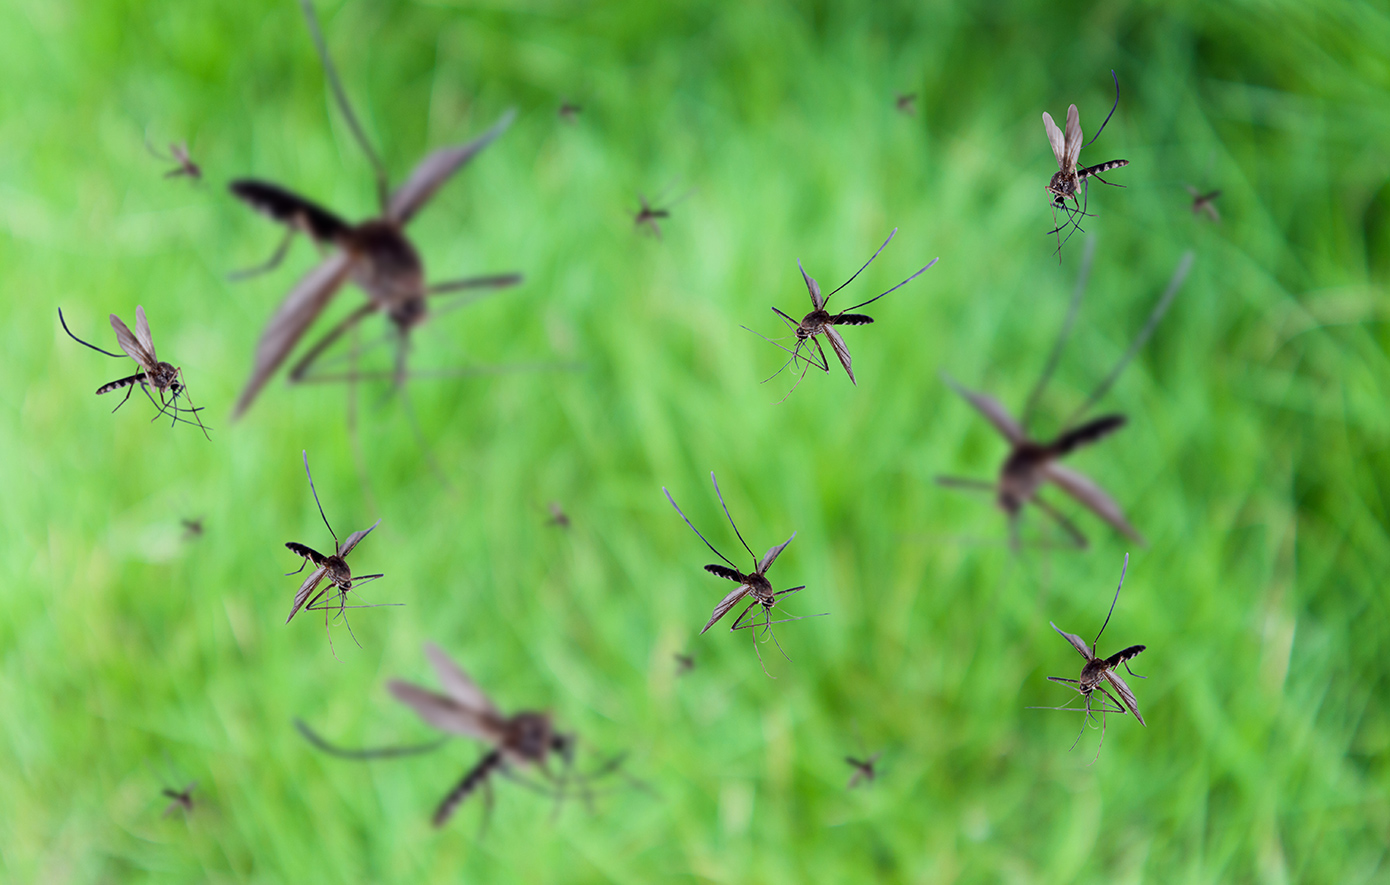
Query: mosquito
[
  {"x": 647, "y": 216},
  {"x": 163, "y": 377},
  {"x": 182, "y": 799},
  {"x": 1204, "y": 203},
  {"x": 178, "y": 154},
  {"x": 1032, "y": 463},
  {"x": 684, "y": 663},
  {"x": 821, "y": 322},
  {"x": 1099, "y": 671},
  {"x": 558, "y": 517},
  {"x": 569, "y": 112},
  {"x": 333, "y": 568},
  {"x": 192, "y": 528},
  {"x": 754, "y": 584},
  {"x": 375, "y": 254},
  {"x": 1071, "y": 179},
  {"x": 907, "y": 103},
  {"x": 863, "y": 768}
]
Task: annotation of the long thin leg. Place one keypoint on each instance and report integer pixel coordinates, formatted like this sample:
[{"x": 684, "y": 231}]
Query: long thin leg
[
  {"x": 960, "y": 482},
  {"x": 269, "y": 264},
  {"x": 301, "y": 368},
  {"x": 376, "y": 753},
  {"x": 494, "y": 281},
  {"x": 1066, "y": 524},
  {"x": 1073, "y": 308},
  {"x": 84, "y": 343}
]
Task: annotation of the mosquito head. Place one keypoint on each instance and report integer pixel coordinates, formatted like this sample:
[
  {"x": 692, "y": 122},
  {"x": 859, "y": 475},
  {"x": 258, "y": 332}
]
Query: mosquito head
[{"x": 530, "y": 736}]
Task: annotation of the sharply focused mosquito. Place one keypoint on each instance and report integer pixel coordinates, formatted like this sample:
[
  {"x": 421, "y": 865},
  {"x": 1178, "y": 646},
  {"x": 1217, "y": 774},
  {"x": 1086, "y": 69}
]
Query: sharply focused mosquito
[
  {"x": 1071, "y": 178},
  {"x": 333, "y": 568},
  {"x": 178, "y": 154},
  {"x": 1204, "y": 203},
  {"x": 822, "y": 322},
  {"x": 163, "y": 377},
  {"x": 182, "y": 799},
  {"x": 1031, "y": 463},
  {"x": 1098, "y": 671},
  {"x": 374, "y": 254},
  {"x": 754, "y": 584},
  {"x": 647, "y": 216},
  {"x": 907, "y": 103}
]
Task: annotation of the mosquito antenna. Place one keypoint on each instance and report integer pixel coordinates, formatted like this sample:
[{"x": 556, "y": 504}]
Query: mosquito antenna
[
  {"x": 731, "y": 519},
  {"x": 376, "y": 753},
  {"x": 1123, "y": 569},
  {"x": 1109, "y": 115},
  {"x": 1179, "y": 276},
  {"x": 378, "y": 169},
  {"x": 80, "y": 341},
  {"x": 316, "y": 499},
  {"x": 898, "y": 286},
  {"x": 695, "y": 530},
  {"x": 1087, "y": 256},
  {"x": 860, "y": 270}
]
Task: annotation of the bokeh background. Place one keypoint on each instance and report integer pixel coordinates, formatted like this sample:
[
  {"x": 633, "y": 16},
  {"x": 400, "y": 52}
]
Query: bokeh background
[{"x": 132, "y": 658}]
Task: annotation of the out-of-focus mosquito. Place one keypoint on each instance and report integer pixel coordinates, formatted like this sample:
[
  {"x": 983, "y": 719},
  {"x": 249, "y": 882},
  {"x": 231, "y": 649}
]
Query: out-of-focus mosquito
[
  {"x": 907, "y": 103},
  {"x": 864, "y": 769},
  {"x": 1070, "y": 178},
  {"x": 754, "y": 584},
  {"x": 374, "y": 254},
  {"x": 648, "y": 216},
  {"x": 333, "y": 568},
  {"x": 1204, "y": 203},
  {"x": 163, "y": 377},
  {"x": 178, "y": 154},
  {"x": 1098, "y": 671},
  {"x": 569, "y": 112},
  {"x": 558, "y": 517},
  {"x": 1032, "y": 463},
  {"x": 822, "y": 322},
  {"x": 182, "y": 799},
  {"x": 192, "y": 528},
  {"x": 684, "y": 663}
]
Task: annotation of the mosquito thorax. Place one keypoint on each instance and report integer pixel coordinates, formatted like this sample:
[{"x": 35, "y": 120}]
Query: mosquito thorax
[
  {"x": 812, "y": 323},
  {"x": 163, "y": 376},
  {"x": 392, "y": 273},
  {"x": 1063, "y": 184},
  {"x": 759, "y": 586},
  {"x": 337, "y": 571},
  {"x": 529, "y": 736},
  {"x": 1019, "y": 477}
]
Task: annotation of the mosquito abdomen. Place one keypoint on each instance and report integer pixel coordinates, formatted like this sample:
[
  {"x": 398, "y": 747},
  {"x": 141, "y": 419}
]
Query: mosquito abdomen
[
  {"x": 1090, "y": 432},
  {"x": 290, "y": 208},
  {"x": 1120, "y": 657}
]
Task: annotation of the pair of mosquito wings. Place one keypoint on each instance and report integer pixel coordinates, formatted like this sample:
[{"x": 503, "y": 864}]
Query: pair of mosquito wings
[
  {"x": 311, "y": 582},
  {"x": 1079, "y": 486},
  {"x": 733, "y": 598},
  {"x": 464, "y": 709},
  {"x": 312, "y": 293},
  {"x": 139, "y": 346},
  {"x": 1067, "y": 150},
  {"x": 1126, "y": 696}
]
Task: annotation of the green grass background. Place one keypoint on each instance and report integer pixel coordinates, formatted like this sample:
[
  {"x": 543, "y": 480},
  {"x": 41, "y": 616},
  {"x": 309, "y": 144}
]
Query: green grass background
[{"x": 1255, "y": 460}]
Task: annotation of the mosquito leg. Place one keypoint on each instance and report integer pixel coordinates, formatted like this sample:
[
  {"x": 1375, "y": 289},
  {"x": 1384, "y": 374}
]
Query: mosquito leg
[
  {"x": 128, "y": 392},
  {"x": 1066, "y": 524},
  {"x": 824, "y": 364},
  {"x": 269, "y": 264}
]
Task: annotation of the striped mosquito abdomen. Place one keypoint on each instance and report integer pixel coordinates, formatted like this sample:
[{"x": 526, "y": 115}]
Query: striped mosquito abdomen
[
  {"x": 291, "y": 209},
  {"x": 471, "y": 781},
  {"x": 1121, "y": 657},
  {"x": 1090, "y": 432},
  {"x": 1100, "y": 168}
]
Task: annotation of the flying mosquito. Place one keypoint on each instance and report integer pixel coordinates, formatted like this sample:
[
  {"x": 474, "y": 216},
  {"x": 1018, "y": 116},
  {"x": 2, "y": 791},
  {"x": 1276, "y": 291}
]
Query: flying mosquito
[
  {"x": 907, "y": 103},
  {"x": 558, "y": 517},
  {"x": 684, "y": 663},
  {"x": 333, "y": 568},
  {"x": 1070, "y": 178},
  {"x": 182, "y": 799},
  {"x": 1204, "y": 203},
  {"x": 1099, "y": 671},
  {"x": 178, "y": 155},
  {"x": 161, "y": 376},
  {"x": 864, "y": 769},
  {"x": 375, "y": 254},
  {"x": 569, "y": 112},
  {"x": 1032, "y": 463},
  {"x": 754, "y": 584},
  {"x": 647, "y": 216},
  {"x": 192, "y": 528},
  {"x": 822, "y": 322}
]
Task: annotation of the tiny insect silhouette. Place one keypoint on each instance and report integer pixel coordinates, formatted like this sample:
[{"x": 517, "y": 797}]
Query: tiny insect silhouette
[
  {"x": 558, "y": 517},
  {"x": 907, "y": 103},
  {"x": 648, "y": 216},
  {"x": 192, "y": 528},
  {"x": 684, "y": 663},
  {"x": 569, "y": 112},
  {"x": 864, "y": 769},
  {"x": 1097, "y": 671},
  {"x": 178, "y": 154},
  {"x": 182, "y": 799},
  {"x": 1204, "y": 203},
  {"x": 163, "y": 377},
  {"x": 821, "y": 322},
  {"x": 1070, "y": 179},
  {"x": 1032, "y": 463}
]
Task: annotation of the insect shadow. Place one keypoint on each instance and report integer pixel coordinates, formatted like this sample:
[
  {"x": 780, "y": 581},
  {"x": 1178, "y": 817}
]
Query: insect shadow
[
  {"x": 184, "y": 167},
  {"x": 1070, "y": 179},
  {"x": 754, "y": 584},
  {"x": 649, "y": 216},
  {"x": 822, "y": 322},
  {"x": 332, "y": 568},
  {"x": 161, "y": 376},
  {"x": 519, "y": 743},
  {"x": 1031, "y": 463},
  {"x": 1096, "y": 673}
]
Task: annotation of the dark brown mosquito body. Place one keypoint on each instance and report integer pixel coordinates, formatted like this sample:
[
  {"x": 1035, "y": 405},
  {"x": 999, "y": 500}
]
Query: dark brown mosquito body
[
  {"x": 863, "y": 770},
  {"x": 178, "y": 154},
  {"x": 1032, "y": 463},
  {"x": 1204, "y": 203},
  {"x": 374, "y": 254},
  {"x": 182, "y": 799},
  {"x": 820, "y": 322},
  {"x": 648, "y": 216},
  {"x": 162, "y": 377},
  {"x": 907, "y": 103},
  {"x": 1070, "y": 180}
]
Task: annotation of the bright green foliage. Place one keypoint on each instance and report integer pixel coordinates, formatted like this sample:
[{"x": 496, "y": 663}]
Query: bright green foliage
[{"x": 1255, "y": 458}]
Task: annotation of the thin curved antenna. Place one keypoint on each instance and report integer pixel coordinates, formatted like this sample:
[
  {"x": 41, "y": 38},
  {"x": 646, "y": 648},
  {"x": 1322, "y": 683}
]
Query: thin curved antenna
[
  {"x": 697, "y": 531},
  {"x": 1109, "y": 115},
  {"x": 1055, "y": 356},
  {"x": 382, "y": 187},
  {"x": 861, "y": 270},
  {"x": 80, "y": 341},
  {"x": 1123, "y": 569},
  {"x": 731, "y": 519},
  {"x": 1175, "y": 284},
  {"x": 377, "y": 753},
  {"x": 316, "y": 501},
  {"x": 898, "y": 286}
]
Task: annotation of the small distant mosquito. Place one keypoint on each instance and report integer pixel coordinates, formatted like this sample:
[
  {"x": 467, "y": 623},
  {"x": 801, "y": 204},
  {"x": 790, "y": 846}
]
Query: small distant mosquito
[
  {"x": 333, "y": 568},
  {"x": 863, "y": 768},
  {"x": 163, "y": 377},
  {"x": 647, "y": 216},
  {"x": 1098, "y": 671},
  {"x": 558, "y": 516},
  {"x": 178, "y": 154},
  {"x": 684, "y": 663},
  {"x": 1032, "y": 463},
  {"x": 821, "y": 322},
  {"x": 569, "y": 112},
  {"x": 754, "y": 584},
  {"x": 1069, "y": 178},
  {"x": 1204, "y": 203},
  {"x": 192, "y": 528},
  {"x": 182, "y": 799},
  {"x": 907, "y": 103}
]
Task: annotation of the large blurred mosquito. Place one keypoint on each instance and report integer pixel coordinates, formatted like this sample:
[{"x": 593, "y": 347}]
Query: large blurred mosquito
[
  {"x": 179, "y": 156},
  {"x": 754, "y": 584},
  {"x": 163, "y": 377},
  {"x": 333, "y": 568},
  {"x": 822, "y": 322},
  {"x": 1032, "y": 463},
  {"x": 1098, "y": 671},
  {"x": 182, "y": 799},
  {"x": 1204, "y": 203},
  {"x": 1071, "y": 178},
  {"x": 648, "y": 216},
  {"x": 374, "y": 254}
]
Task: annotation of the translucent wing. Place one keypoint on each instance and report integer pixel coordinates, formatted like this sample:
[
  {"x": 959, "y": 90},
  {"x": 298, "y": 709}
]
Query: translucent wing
[
  {"x": 310, "y": 583},
  {"x": 811, "y": 286},
  {"x": 771, "y": 556},
  {"x": 436, "y": 169},
  {"x": 1090, "y": 496},
  {"x": 456, "y": 682},
  {"x": 725, "y": 604},
  {"x": 142, "y": 332},
  {"x": 1073, "y": 138},
  {"x": 355, "y": 537},
  {"x": 133, "y": 348},
  {"x": 990, "y": 407},
  {"x": 446, "y": 714},
  {"x": 841, "y": 350},
  {"x": 1076, "y": 642},
  {"x": 299, "y": 309},
  {"x": 1126, "y": 696},
  {"x": 1054, "y": 138}
]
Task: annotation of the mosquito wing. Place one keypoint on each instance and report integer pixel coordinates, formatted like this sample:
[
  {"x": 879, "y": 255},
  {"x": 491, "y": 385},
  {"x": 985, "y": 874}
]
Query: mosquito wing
[
  {"x": 725, "y": 604},
  {"x": 445, "y": 713},
  {"x": 1054, "y": 138},
  {"x": 1076, "y": 642},
  {"x": 436, "y": 169},
  {"x": 771, "y": 556},
  {"x": 1074, "y": 138},
  {"x": 354, "y": 538},
  {"x": 457, "y": 683},
  {"x": 841, "y": 350},
  {"x": 1126, "y": 696},
  {"x": 290, "y": 322},
  {"x": 131, "y": 345},
  {"x": 1090, "y": 496},
  {"x": 993, "y": 411},
  {"x": 811, "y": 286},
  {"x": 305, "y": 589},
  {"x": 142, "y": 333}
]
